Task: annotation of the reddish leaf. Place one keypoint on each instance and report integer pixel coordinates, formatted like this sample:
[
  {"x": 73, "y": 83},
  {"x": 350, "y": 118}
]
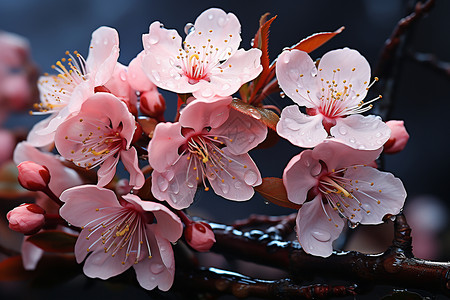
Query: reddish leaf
[
  {"x": 267, "y": 117},
  {"x": 54, "y": 241},
  {"x": 273, "y": 190},
  {"x": 316, "y": 40},
  {"x": 11, "y": 269}
]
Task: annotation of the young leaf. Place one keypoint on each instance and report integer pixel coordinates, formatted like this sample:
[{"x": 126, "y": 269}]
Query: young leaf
[
  {"x": 267, "y": 117},
  {"x": 316, "y": 40},
  {"x": 54, "y": 241},
  {"x": 273, "y": 190}
]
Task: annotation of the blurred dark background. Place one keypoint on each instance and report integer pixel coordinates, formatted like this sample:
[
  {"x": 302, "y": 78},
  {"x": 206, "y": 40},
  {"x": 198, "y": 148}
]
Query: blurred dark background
[{"x": 422, "y": 97}]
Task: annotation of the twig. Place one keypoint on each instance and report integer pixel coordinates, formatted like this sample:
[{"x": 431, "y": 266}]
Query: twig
[{"x": 430, "y": 60}]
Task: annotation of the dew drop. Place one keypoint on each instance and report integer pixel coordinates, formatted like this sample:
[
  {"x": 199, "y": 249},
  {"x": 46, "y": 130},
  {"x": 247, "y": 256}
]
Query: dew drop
[
  {"x": 292, "y": 124},
  {"x": 286, "y": 58},
  {"x": 293, "y": 74},
  {"x": 362, "y": 147},
  {"x": 189, "y": 184},
  {"x": 250, "y": 177},
  {"x": 266, "y": 202},
  {"x": 156, "y": 268},
  {"x": 314, "y": 72},
  {"x": 254, "y": 113},
  {"x": 252, "y": 42},
  {"x": 210, "y": 17},
  {"x": 174, "y": 187},
  {"x": 169, "y": 174},
  {"x": 188, "y": 28},
  {"x": 156, "y": 75},
  {"x": 352, "y": 225},
  {"x": 162, "y": 183},
  {"x": 105, "y": 42},
  {"x": 153, "y": 39},
  {"x": 352, "y": 140},
  {"x": 238, "y": 184},
  {"x": 342, "y": 130},
  {"x": 207, "y": 92},
  {"x": 320, "y": 235},
  {"x": 282, "y": 94},
  {"x": 307, "y": 163},
  {"x": 225, "y": 188},
  {"x": 393, "y": 218},
  {"x": 170, "y": 84},
  {"x": 251, "y": 139},
  {"x": 221, "y": 21},
  {"x": 226, "y": 86},
  {"x": 378, "y": 134},
  {"x": 123, "y": 76}
]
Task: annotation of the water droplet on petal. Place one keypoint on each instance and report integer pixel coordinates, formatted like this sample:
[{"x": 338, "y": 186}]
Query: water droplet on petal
[
  {"x": 251, "y": 139},
  {"x": 162, "y": 183},
  {"x": 380, "y": 142},
  {"x": 226, "y": 86},
  {"x": 393, "y": 218},
  {"x": 362, "y": 147},
  {"x": 156, "y": 268},
  {"x": 266, "y": 202},
  {"x": 225, "y": 187},
  {"x": 153, "y": 39},
  {"x": 189, "y": 184},
  {"x": 314, "y": 72},
  {"x": 286, "y": 58},
  {"x": 352, "y": 140},
  {"x": 352, "y": 225},
  {"x": 123, "y": 76},
  {"x": 169, "y": 174},
  {"x": 320, "y": 235},
  {"x": 293, "y": 74},
  {"x": 282, "y": 94},
  {"x": 342, "y": 130},
  {"x": 307, "y": 163},
  {"x": 188, "y": 28},
  {"x": 250, "y": 177},
  {"x": 292, "y": 124},
  {"x": 221, "y": 21},
  {"x": 252, "y": 42},
  {"x": 105, "y": 42},
  {"x": 238, "y": 184},
  {"x": 254, "y": 113},
  {"x": 156, "y": 75},
  {"x": 378, "y": 134},
  {"x": 207, "y": 92}
]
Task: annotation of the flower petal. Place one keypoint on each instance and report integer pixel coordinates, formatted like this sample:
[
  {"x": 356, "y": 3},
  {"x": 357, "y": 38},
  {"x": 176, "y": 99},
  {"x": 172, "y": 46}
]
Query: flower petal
[
  {"x": 243, "y": 132},
  {"x": 300, "y": 129},
  {"x": 107, "y": 170},
  {"x": 316, "y": 229},
  {"x": 202, "y": 113},
  {"x": 103, "y": 54},
  {"x": 176, "y": 185},
  {"x": 131, "y": 163},
  {"x": 136, "y": 76},
  {"x": 31, "y": 254},
  {"x": 163, "y": 147},
  {"x": 296, "y": 74},
  {"x": 299, "y": 176},
  {"x": 242, "y": 168},
  {"x": 386, "y": 195},
  {"x": 41, "y": 140},
  {"x": 361, "y": 132},
  {"x": 346, "y": 67}
]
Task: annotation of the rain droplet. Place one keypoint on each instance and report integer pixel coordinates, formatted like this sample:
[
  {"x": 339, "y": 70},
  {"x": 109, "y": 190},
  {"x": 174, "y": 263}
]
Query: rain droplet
[
  {"x": 251, "y": 139},
  {"x": 266, "y": 202},
  {"x": 252, "y": 42},
  {"x": 307, "y": 163},
  {"x": 393, "y": 218},
  {"x": 189, "y": 184},
  {"x": 211, "y": 16},
  {"x": 170, "y": 84},
  {"x": 286, "y": 58},
  {"x": 378, "y": 134},
  {"x": 156, "y": 75},
  {"x": 169, "y": 174},
  {"x": 292, "y": 124},
  {"x": 123, "y": 76},
  {"x": 105, "y": 41},
  {"x": 293, "y": 74},
  {"x": 352, "y": 225},
  {"x": 225, "y": 87},
  {"x": 156, "y": 268},
  {"x": 282, "y": 94},
  {"x": 379, "y": 142},
  {"x": 361, "y": 147},
  {"x": 343, "y": 130},
  {"x": 250, "y": 177},
  {"x": 153, "y": 39},
  {"x": 238, "y": 184},
  {"x": 352, "y": 140},
  {"x": 207, "y": 92},
  {"x": 320, "y": 235},
  {"x": 162, "y": 183},
  {"x": 188, "y": 28},
  {"x": 174, "y": 187},
  {"x": 221, "y": 21},
  {"x": 314, "y": 72},
  {"x": 254, "y": 113},
  {"x": 225, "y": 188}
]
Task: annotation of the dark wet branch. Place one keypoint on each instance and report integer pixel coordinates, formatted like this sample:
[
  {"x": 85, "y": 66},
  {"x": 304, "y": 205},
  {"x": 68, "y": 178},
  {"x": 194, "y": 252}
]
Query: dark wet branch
[{"x": 431, "y": 61}]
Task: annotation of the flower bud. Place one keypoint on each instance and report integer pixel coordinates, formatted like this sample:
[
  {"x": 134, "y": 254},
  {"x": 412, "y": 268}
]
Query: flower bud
[
  {"x": 152, "y": 104},
  {"x": 26, "y": 218},
  {"x": 32, "y": 176},
  {"x": 123, "y": 187},
  {"x": 199, "y": 235},
  {"x": 399, "y": 137}
]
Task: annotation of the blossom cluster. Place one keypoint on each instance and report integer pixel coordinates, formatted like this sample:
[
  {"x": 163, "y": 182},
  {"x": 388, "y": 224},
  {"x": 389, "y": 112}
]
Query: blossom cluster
[{"x": 95, "y": 107}]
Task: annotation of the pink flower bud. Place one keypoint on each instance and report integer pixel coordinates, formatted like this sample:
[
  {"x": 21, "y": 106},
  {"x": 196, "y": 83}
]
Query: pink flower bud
[
  {"x": 199, "y": 235},
  {"x": 32, "y": 176},
  {"x": 399, "y": 137},
  {"x": 26, "y": 218},
  {"x": 152, "y": 103}
]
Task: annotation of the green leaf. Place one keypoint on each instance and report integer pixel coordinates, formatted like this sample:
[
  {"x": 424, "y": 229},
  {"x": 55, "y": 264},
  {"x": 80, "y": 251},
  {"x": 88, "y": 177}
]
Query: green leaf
[
  {"x": 54, "y": 241},
  {"x": 267, "y": 117},
  {"x": 273, "y": 190}
]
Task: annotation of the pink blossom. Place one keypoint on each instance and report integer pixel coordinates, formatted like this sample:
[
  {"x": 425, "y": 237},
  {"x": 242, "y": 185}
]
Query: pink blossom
[
  {"x": 208, "y": 62},
  {"x": 399, "y": 137},
  {"x": 117, "y": 234},
  {"x": 26, "y": 218},
  {"x": 332, "y": 184},
  {"x": 63, "y": 94},
  {"x": 99, "y": 135},
  {"x": 32, "y": 176},
  {"x": 333, "y": 95},
  {"x": 210, "y": 142},
  {"x": 199, "y": 235}
]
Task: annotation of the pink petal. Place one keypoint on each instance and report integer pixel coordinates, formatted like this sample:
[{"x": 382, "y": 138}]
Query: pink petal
[
  {"x": 154, "y": 272},
  {"x": 300, "y": 129},
  {"x": 241, "y": 167},
  {"x": 243, "y": 132},
  {"x": 316, "y": 232},
  {"x": 361, "y": 132},
  {"x": 225, "y": 80},
  {"x": 103, "y": 54},
  {"x": 163, "y": 148},
  {"x": 41, "y": 140},
  {"x": 300, "y": 175},
  {"x": 337, "y": 155},
  {"x": 136, "y": 76},
  {"x": 203, "y": 113},
  {"x": 168, "y": 223},
  {"x": 131, "y": 163},
  {"x": 346, "y": 67},
  {"x": 176, "y": 185},
  {"x": 31, "y": 255},
  {"x": 296, "y": 75},
  {"x": 386, "y": 189},
  {"x": 83, "y": 244},
  {"x": 217, "y": 28},
  {"x": 107, "y": 171},
  {"x": 119, "y": 85},
  {"x": 82, "y": 204}
]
